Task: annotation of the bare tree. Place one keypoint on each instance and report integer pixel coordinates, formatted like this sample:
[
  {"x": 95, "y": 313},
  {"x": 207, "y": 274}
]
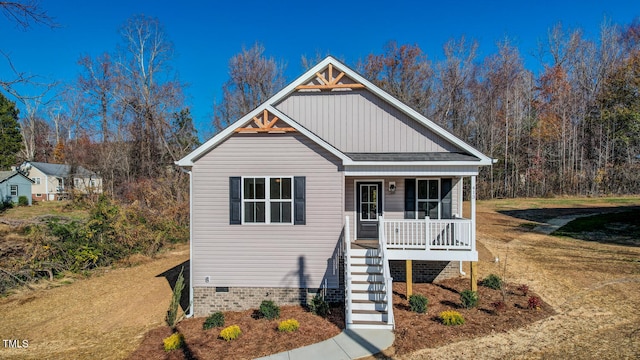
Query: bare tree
[
  {"x": 404, "y": 71},
  {"x": 253, "y": 78}
]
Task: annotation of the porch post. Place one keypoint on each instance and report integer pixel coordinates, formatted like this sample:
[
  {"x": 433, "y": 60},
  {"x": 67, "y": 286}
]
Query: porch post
[
  {"x": 409, "y": 271},
  {"x": 473, "y": 264}
]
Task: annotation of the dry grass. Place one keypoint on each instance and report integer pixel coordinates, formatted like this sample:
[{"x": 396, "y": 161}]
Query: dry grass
[{"x": 593, "y": 287}]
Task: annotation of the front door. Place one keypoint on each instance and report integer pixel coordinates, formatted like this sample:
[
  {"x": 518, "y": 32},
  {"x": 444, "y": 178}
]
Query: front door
[{"x": 369, "y": 208}]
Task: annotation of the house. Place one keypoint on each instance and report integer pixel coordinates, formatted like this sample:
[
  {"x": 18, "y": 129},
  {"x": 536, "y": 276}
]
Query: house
[
  {"x": 54, "y": 181},
  {"x": 13, "y": 184},
  {"x": 334, "y": 186}
]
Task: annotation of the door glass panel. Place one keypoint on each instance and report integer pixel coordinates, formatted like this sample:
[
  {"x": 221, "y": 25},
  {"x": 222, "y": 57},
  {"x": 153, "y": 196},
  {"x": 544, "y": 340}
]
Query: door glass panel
[
  {"x": 422, "y": 189},
  {"x": 433, "y": 209},
  {"x": 373, "y": 211},
  {"x": 364, "y": 194},
  {"x": 364, "y": 211}
]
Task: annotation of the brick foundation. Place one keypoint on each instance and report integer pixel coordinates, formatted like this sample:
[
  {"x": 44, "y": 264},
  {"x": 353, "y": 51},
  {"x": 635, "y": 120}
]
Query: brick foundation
[
  {"x": 207, "y": 300},
  {"x": 425, "y": 271}
]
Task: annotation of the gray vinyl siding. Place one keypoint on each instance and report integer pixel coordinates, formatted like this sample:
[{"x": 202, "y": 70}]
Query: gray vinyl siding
[
  {"x": 359, "y": 121},
  {"x": 253, "y": 255}
]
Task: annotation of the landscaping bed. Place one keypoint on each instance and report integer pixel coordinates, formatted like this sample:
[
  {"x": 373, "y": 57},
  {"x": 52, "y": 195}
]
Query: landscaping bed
[
  {"x": 260, "y": 337},
  {"x": 418, "y": 331}
]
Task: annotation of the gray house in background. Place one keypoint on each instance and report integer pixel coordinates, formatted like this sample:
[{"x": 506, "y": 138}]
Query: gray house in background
[
  {"x": 331, "y": 185},
  {"x": 13, "y": 185},
  {"x": 55, "y": 181}
]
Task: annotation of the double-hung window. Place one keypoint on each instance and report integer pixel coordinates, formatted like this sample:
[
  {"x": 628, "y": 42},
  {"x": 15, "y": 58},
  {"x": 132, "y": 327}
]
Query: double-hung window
[
  {"x": 267, "y": 200},
  {"x": 428, "y": 198},
  {"x": 14, "y": 190}
]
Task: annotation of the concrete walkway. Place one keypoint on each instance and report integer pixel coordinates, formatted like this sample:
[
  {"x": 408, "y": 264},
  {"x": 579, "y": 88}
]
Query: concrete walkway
[{"x": 349, "y": 344}]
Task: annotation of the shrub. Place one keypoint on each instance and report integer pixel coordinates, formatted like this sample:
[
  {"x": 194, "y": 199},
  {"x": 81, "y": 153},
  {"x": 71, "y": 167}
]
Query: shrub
[
  {"x": 230, "y": 333},
  {"x": 289, "y": 325},
  {"x": 492, "y": 281},
  {"x": 214, "y": 320},
  {"x": 418, "y": 303},
  {"x": 269, "y": 310},
  {"x": 469, "y": 299},
  {"x": 23, "y": 201},
  {"x": 450, "y": 317},
  {"x": 524, "y": 289},
  {"x": 173, "y": 342},
  {"x": 319, "y": 306},
  {"x": 172, "y": 313},
  {"x": 499, "y": 305},
  {"x": 534, "y": 303}
]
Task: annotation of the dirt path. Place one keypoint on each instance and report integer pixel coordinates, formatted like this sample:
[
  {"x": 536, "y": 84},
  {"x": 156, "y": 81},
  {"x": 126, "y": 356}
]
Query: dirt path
[
  {"x": 103, "y": 317},
  {"x": 593, "y": 287}
]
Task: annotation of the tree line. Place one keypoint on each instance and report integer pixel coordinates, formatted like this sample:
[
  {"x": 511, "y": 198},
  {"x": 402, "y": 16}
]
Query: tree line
[{"x": 573, "y": 128}]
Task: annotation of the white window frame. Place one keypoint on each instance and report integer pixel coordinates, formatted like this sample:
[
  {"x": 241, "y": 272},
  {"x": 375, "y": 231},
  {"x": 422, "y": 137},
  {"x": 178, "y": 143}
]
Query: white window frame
[
  {"x": 439, "y": 199},
  {"x": 36, "y": 180},
  {"x": 267, "y": 200},
  {"x": 13, "y": 190}
]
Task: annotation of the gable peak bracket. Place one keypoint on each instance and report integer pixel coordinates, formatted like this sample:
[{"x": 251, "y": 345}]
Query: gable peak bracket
[
  {"x": 333, "y": 82},
  {"x": 264, "y": 124}
]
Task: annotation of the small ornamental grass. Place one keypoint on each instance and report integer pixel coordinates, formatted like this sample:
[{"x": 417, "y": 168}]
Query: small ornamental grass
[
  {"x": 230, "y": 333},
  {"x": 269, "y": 310},
  {"x": 534, "y": 303},
  {"x": 289, "y": 325},
  {"x": 418, "y": 303},
  {"x": 469, "y": 299},
  {"x": 173, "y": 342},
  {"x": 214, "y": 320},
  {"x": 492, "y": 281},
  {"x": 451, "y": 317}
]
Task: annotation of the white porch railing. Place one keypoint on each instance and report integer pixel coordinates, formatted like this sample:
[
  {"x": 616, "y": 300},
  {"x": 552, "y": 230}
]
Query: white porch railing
[
  {"x": 347, "y": 273},
  {"x": 388, "y": 280},
  {"x": 427, "y": 234}
]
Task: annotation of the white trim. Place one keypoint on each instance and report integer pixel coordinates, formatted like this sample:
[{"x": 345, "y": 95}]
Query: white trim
[
  {"x": 267, "y": 200},
  {"x": 306, "y": 77},
  {"x": 190, "y": 313},
  {"x": 355, "y": 202}
]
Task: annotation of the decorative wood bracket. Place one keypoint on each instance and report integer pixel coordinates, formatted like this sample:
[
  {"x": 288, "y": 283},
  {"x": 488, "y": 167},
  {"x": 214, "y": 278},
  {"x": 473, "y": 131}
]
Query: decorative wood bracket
[
  {"x": 264, "y": 124},
  {"x": 330, "y": 84}
]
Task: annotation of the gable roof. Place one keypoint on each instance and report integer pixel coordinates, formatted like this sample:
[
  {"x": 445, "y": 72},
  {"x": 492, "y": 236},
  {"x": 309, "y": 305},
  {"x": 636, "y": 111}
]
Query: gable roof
[
  {"x": 61, "y": 170},
  {"x": 6, "y": 175},
  {"x": 475, "y": 157}
]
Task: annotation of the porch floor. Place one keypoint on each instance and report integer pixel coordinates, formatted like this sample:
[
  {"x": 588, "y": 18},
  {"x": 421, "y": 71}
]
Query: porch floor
[{"x": 365, "y": 244}]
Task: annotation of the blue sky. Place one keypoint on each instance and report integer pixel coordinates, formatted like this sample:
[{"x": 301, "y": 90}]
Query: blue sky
[{"x": 206, "y": 34}]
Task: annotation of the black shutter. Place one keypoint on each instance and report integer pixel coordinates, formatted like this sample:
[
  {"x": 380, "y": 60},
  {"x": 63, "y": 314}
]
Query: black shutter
[
  {"x": 235, "y": 200},
  {"x": 409, "y": 198},
  {"x": 299, "y": 200},
  {"x": 445, "y": 197}
]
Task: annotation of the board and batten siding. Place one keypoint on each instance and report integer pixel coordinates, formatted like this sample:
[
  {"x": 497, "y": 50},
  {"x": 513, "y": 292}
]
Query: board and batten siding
[
  {"x": 359, "y": 121},
  {"x": 260, "y": 255}
]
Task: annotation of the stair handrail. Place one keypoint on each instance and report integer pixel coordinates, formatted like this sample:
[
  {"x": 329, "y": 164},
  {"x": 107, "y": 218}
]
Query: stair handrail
[
  {"x": 347, "y": 274},
  {"x": 385, "y": 270}
]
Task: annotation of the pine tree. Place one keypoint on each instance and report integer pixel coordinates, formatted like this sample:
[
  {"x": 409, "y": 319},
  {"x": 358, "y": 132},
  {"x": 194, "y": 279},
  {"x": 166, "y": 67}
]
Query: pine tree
[{"x": 10, "y": 136}]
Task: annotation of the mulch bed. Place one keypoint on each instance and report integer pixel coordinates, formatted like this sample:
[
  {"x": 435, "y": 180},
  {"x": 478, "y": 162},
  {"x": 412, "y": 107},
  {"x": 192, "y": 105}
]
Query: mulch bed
[
  {"x": 418, "y": 331},
  {"x": 260, "y": 337}
]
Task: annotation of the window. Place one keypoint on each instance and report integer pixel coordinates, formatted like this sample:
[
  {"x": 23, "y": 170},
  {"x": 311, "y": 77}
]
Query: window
[
  {"x": 36, "y": 180},
  {"x": 92, "y": 183},
  {"x": 14, "y": 190},
  {"x": 428, "y": 198},
  {"x": 267, "y": 200}
]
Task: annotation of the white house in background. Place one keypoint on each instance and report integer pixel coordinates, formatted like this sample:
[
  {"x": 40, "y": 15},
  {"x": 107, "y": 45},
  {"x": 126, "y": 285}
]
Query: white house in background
[
  {"x": 330, "y": 185},
  {"x": 13, "y": 184},
  {"x": 55, "y": 181}
]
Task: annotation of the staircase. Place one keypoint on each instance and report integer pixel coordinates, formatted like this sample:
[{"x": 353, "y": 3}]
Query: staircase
[{"x": 368, "y": 293}]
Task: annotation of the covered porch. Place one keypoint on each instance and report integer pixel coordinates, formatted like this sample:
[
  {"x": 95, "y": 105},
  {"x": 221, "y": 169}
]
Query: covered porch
[{"x": 414, "y": 218}]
